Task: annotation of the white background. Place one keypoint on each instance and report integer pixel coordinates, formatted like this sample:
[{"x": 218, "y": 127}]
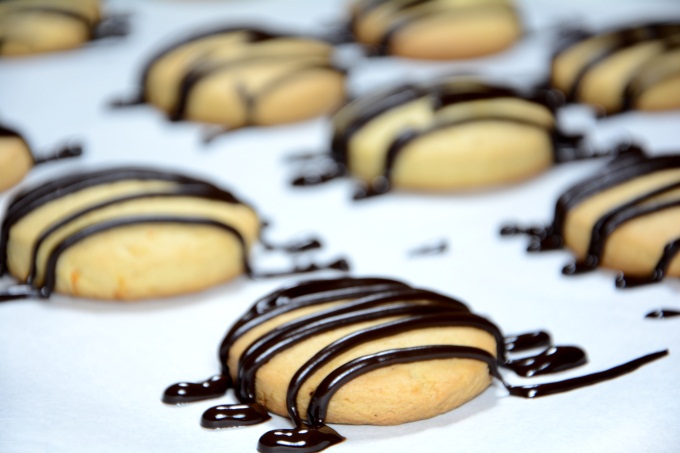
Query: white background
[{"x": 87, "y": 376}]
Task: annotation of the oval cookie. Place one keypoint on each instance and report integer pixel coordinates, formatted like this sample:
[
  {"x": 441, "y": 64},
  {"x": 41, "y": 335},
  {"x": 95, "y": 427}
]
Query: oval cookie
[
  {"x": 125, "y": 233},
  {"x": 636, "y": 67},
  {"x": 435, "y": 29},
  {"x": 454, "y": 135},
  {"x": 625, "y": 217},
  {"x": 238, "y": 77}
]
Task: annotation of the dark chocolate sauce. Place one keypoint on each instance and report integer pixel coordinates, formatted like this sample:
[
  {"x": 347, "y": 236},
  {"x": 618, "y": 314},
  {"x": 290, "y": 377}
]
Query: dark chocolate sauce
[
  {"x": 234, "y": 415},
  {"x": 552, "y": 360},
  {"x": 65, "y": 152},
  {"x": 526, "y": 341},
  {"x": 402, "y": 309},
  {"x": 188, "y": 392},
  {"x": 631, "y": 165},
  {"x": 304, "y": 439},
  {"x": 437, "y": 248},
  {"x": 663, "y": 313}
]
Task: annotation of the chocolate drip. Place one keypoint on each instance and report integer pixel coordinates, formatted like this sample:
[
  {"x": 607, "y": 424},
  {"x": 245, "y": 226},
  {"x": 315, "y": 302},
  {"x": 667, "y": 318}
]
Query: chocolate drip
[
  {"x": 438, "y": 248},
  {"x": 19, "y": 292},
  {"x": 339, "y": 264},
  {"x": 552, "y": 360},
  {"x": 301, "y": 439},
  {"x": 531, "y": 340},
  {"x": 552, "y": 388},
  {"x": 234, "y": 415},
  {"x": 662, "y": 314},
  {"x": 112, "y": 27},
  {"x": 188, "y": 392},
  {"x": 65, "y": 152},
  {"x": 372, "y": 299}
]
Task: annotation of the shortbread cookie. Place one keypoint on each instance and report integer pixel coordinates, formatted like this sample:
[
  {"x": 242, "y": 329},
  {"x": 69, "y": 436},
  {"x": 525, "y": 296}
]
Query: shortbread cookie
[
  {"x": 125, "y": 233},
  {"x": 436, "y": 29},
  {"x": 38, "y": 26},
  {"x": 628, "y": 68},
  {"x": 238, "y": 77},
  {"x": 367, "y": 351},
  {"x": 455, "y": 135},
  {"x": 626, "y": 217},
  {"x": 16, "y": 159}
]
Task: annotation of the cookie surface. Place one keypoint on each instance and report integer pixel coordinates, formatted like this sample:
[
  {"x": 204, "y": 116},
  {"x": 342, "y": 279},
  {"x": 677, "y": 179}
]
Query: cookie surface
[
  {"x": 126, "y": 234},
  {"x": 628, "y": 68},
  {"x": 16, "y": 159},
  {"x": 439, "y": 30},
  {"x": 455, "y": 135},
  {"x": 626, "y": 217},
  {"x": 238, "y": 77},
  {"x": 39, "y": 26}
]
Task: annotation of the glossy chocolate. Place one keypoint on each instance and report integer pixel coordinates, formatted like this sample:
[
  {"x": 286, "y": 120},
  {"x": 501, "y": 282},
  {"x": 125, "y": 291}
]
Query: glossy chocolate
[
  {"x": 631, "y": 165},
  {"x": 403, "y": 310}
]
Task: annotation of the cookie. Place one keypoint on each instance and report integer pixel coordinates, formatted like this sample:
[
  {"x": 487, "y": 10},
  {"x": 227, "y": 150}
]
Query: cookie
[
  {"x": 367, "y": 351},
  {"x": 16, "y": 159},
  {"x": 459, "y": 134},
  {"x": 39, "y": 26},
  {"x": 125, "y": 233},
  {"x": 237, "y": 77},
  {"x": 437, "y": 30},
  {"x": 625, "y": 217},
  {"x": 635, "y": 67}
]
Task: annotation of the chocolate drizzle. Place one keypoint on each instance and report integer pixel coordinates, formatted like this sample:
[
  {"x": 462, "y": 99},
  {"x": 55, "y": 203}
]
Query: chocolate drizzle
[
  {"x": 662, "y": 314},
  {"x": 399, "y": 308},
  {"x": 181, "y": 186},
  {"x": 359, "y": 113},
  {"x": 633, "y": 165}
]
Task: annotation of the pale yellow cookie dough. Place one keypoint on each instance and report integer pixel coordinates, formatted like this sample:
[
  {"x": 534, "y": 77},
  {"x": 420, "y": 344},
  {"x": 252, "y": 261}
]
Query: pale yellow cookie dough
[{"x": 16, "y": 161}]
